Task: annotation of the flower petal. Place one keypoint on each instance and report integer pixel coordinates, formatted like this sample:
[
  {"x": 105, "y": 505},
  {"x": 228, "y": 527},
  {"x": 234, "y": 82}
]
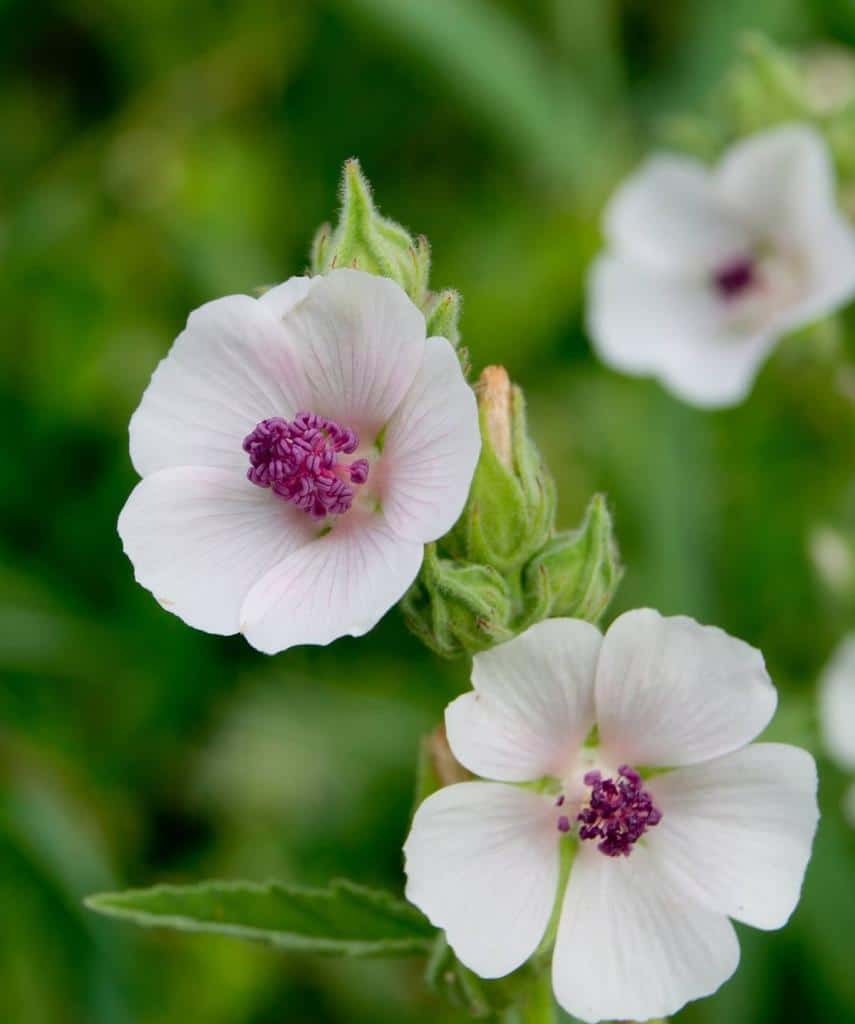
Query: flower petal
[
  {"x": 282, "y": 298},
  {"x": 643, "y": 323},
  {"x": 482, "y": 863},
  {"x": 828, "y": 252},
  {"x": 532, "y": 705},
  {"x": 667, "y": 216},
  {"x": 736, "y": 833},
  {"x": 362, "y": 342},
  {"x": 341, "y": 583},
  {"x": 837, "y": 704},
  {"x": 199, "y": 538},
  {"x": 719, "y": 372},
  {"x": 628, "y": 948},
  {"x": 431, "y": 448},
  {"x": 673, "y": 692},
  {"x": 231, "y": 367},
  {"x": 779, "y": 182}
]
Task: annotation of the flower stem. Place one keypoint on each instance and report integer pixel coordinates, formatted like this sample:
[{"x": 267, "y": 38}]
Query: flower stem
[{"x": 540, "y": 1008}]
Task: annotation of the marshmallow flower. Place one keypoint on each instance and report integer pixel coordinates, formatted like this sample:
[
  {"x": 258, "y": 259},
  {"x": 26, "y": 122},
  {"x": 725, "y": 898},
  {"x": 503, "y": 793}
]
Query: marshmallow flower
[
  {"x": 297, "y": 451},
  {"x": 633, "y": 749},
  {"x": 837, "y": 713},
  {"x": 706, "y": 269}
]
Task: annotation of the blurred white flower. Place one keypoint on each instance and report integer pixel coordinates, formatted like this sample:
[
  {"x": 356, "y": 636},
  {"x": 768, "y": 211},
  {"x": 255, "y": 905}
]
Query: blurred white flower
[
  {"x": 297, "y": 451},
  {"x": 706, "y": 269},
  {"x": 837, "y": 713},
  {"x": 832, "y": 557},
  {"x": 662, "y": 858}
]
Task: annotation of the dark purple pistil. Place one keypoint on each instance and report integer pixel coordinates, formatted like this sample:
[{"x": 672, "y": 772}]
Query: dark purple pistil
[
  {"x": 734, "y": 278},
  {"x": 299, "y": 460},
  {"x": 618, "y": 812}
]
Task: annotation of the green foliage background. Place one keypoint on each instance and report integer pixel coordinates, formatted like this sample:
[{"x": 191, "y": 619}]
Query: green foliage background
[{"x": 156, "y": 155}]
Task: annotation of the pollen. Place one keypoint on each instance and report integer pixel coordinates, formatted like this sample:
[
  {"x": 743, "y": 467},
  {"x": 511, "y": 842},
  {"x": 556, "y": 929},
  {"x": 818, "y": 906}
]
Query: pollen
[
  {"x": 301, "y": 462},
  {"x": 618, "y": 812}
]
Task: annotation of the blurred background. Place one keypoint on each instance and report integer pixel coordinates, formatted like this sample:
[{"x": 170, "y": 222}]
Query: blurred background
[{"x": 157, "y": 155}]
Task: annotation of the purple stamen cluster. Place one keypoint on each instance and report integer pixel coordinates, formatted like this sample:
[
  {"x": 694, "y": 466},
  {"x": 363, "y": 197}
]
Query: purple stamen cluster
[
  {"x": 618, "y": 812},
  {"x": 734, "y": 278},
  {"x": 299, "y": 461}
]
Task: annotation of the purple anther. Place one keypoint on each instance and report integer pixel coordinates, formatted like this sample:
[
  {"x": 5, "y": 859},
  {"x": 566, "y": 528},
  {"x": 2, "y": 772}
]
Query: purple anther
[
  {"x": 299, "y": 460},
  {"x": 618, "y": 812},
  {"x": 735, "y": 277}
]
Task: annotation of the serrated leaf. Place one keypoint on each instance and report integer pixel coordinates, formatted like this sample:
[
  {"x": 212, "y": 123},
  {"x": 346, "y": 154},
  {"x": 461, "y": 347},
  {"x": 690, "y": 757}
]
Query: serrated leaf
[{"x": 342, "y": 920}]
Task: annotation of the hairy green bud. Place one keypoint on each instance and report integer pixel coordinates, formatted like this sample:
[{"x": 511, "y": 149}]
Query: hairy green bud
[
  {"x": 510, "y": 513},
  {"x": 458, "y": 607},
  {"x": 504, "y": 567},
  {"x": 366, "y": 240},
  {"x": 443, "y": 315},
  {"x": 575, "y": 573}
]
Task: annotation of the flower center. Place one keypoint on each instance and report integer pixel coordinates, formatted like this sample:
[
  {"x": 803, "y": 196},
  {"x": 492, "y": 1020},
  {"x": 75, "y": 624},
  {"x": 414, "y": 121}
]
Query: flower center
[
  {"x": 618, "y": 812},
  {"x": 300, "y": 461},
  {"x": 735, "y": 278}
]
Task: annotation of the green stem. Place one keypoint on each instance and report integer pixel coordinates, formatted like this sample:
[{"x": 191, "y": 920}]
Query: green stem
[{"x": 540, "y": 1009}]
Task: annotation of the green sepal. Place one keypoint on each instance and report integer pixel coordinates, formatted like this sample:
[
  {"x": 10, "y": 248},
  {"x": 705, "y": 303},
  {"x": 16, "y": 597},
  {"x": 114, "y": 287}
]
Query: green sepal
[
  {"x": 567, "y": 854},
  {"x": 503, "y": 567},
  {"x": 458, "y": 607},
  {"x": 443, "y": 315},
  {"x": 344, "y": 919},
  {"x": 319, "y": 255},
  {"x": 365, "y": 240},
  {"x": 577, "y": 572},
  {"x": 510, "y": 513}
]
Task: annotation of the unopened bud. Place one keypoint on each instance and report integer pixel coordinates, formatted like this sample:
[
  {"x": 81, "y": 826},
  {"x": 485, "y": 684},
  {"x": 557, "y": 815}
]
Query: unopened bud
[
  {"x": 511, "y": 508},
  {"x": 458, "y": 607},
  {"x": 443, "y": 316},
  {"x": 366, "y": 240},
  {"x": 577, "y": 572}
]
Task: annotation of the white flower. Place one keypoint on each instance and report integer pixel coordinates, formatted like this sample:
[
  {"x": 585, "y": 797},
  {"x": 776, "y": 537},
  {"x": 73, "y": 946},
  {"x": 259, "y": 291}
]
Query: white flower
[
  {"x": 297, "y": 451},
  {"x": 706, "y": 269},
  {"x": 837, "y": 713},
  {"x": 663, "y": 858}
]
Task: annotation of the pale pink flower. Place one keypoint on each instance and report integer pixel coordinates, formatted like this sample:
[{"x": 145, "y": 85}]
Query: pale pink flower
[
  {"x": 297, "y": 451},
  {"x": 663, "y": 858},
  {"x": 707, "y": 268}
]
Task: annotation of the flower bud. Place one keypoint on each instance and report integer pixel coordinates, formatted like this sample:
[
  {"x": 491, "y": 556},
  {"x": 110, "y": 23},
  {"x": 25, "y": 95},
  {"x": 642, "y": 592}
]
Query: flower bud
[
  {"x": 511, "y": 508},
  {"x": 458, "y": 607},
  {"x": 366, "y": 240},
  {"x": 443, "y": 314},
  {"x": 503, "y": 567},
  {"x": 577, "y": 571}
]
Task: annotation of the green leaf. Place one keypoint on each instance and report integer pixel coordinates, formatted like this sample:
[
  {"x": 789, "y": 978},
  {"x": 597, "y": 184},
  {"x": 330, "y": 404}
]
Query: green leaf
[{"x": 342, "y": 920}]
